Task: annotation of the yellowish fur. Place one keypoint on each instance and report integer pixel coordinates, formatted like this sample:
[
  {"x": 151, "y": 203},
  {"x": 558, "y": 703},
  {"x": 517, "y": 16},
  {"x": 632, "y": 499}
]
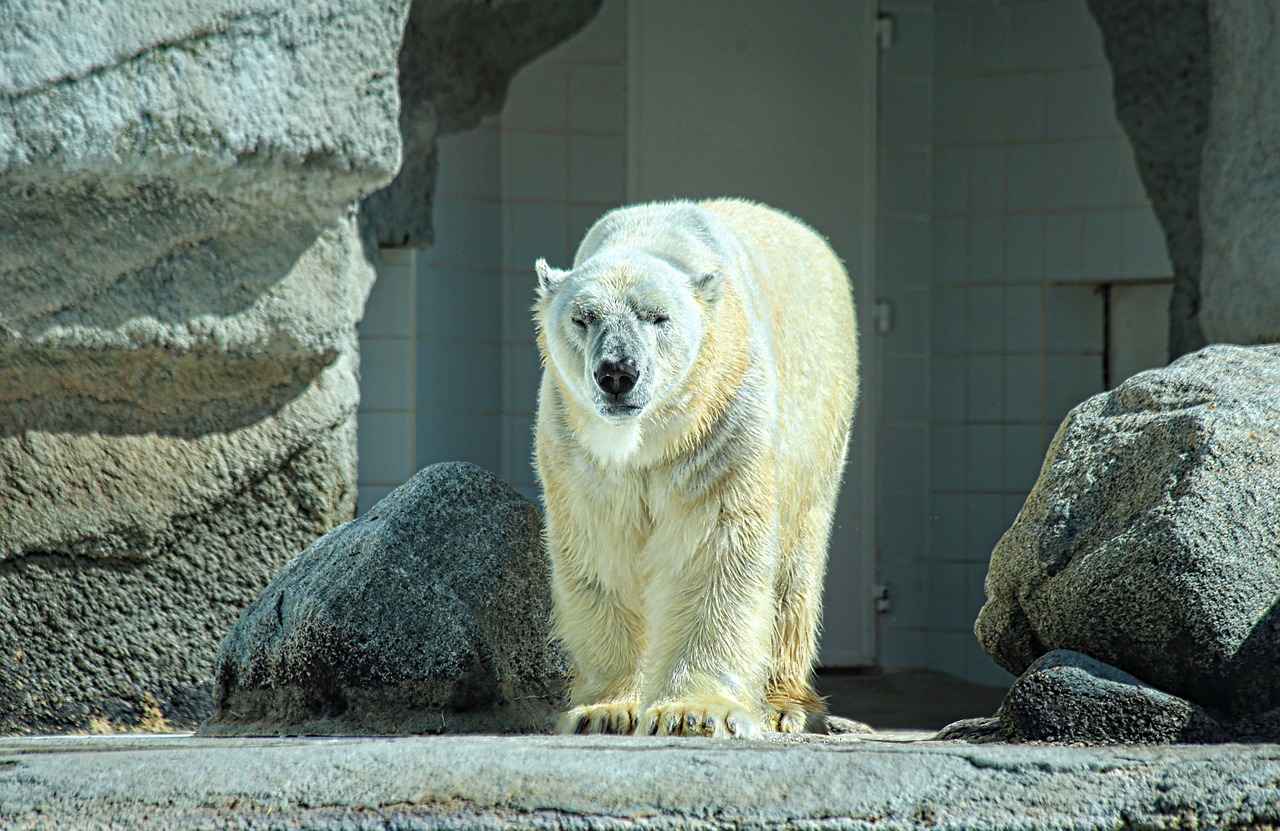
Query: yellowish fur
[{"x": 688, "y": 544}]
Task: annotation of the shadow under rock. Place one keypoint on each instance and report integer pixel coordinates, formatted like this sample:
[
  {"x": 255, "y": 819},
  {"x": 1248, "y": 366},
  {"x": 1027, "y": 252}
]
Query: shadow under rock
[{"x": 906, "y": 700}]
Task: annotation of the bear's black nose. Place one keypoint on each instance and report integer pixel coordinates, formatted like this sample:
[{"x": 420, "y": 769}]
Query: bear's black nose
[{"x": 617, "y": 377}]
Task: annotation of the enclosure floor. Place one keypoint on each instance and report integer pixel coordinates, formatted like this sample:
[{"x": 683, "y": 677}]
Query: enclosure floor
[
  {"x": 906, "y": 701},
  {"x": 891, "y": 779}
]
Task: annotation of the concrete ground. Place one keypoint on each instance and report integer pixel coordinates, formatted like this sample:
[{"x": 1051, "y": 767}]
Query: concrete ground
[{"x": 589, "y": 782}]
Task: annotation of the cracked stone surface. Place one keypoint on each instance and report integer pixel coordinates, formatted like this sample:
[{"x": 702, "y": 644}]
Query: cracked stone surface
[
  {"x": 610, "y": 782},
  {"x": 182, "y": 266}
]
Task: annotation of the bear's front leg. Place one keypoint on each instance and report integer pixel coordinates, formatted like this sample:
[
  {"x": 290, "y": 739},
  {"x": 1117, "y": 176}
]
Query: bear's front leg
[
  {"x": 603, "y": 635},
  {"x": 710, "y": 618}
]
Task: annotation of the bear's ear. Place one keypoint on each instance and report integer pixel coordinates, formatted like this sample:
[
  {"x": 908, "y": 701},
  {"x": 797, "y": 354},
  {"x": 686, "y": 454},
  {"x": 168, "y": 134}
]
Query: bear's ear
[
  {"x": 549, "y": 279},
  {"x": 707, "y": 284}
]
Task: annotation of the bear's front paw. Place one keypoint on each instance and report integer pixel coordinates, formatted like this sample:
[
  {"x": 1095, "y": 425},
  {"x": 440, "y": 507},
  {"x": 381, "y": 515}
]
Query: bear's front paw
[
  {"x": 617, "y": 717},
  {"x": 712, "y": 716}
]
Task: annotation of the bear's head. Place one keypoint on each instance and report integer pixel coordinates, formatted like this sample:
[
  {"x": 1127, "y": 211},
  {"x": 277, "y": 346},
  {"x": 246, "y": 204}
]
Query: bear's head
[{"x": 622, "y": 329}]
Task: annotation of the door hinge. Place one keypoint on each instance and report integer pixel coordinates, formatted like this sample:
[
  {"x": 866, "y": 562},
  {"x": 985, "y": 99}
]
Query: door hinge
[
  {"x": 883, "y": 602},
  {"x": 885, "y": 32},
  {"x": 883, "y": 316}
]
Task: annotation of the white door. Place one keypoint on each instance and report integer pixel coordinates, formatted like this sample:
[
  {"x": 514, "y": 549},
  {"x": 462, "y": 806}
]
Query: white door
[{"x": 775, "y": 102}]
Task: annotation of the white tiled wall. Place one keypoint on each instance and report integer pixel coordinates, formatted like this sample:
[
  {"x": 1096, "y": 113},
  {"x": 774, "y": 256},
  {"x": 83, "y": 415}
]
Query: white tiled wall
[
  {"x": 459, "y": 308},
  {"x": 563, "y": 165},
  {"x": 1033, "y": 201},
  {"x": 449, "y": 366},
  {"x": 1007, "y": 195},
  {"x": 906, "y": 239},
  {"x": 387, "y": 388}
]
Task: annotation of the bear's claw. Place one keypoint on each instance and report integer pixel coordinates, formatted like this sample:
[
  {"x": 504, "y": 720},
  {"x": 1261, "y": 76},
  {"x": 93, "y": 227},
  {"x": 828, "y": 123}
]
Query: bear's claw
[
  {"x": 719, "y": 718},
  {"x": 618, "y": 718}
]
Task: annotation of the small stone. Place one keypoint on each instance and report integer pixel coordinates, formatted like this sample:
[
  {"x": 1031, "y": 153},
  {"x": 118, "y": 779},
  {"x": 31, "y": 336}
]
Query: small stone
[
  {"x": 972, "y": 730},
  {"x": 841, "y": 726},
  {"x": 1069, "y": 698}
]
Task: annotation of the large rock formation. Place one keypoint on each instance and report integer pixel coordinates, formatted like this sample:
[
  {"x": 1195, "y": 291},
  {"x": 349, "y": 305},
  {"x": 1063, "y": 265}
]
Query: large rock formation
[
  {"x": 1240, "y": 180},
  {"x": 180, "y": 278},
  {"x": 429, "y": 614},
  {"x": 1162, "y": 88},
  {"x": 1197, "y": 88},
  {"x": 1151, "y": 541}
]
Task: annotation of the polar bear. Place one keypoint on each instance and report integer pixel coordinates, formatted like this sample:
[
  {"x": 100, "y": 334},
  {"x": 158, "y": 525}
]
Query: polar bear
[{"x": 700, "y": 376}]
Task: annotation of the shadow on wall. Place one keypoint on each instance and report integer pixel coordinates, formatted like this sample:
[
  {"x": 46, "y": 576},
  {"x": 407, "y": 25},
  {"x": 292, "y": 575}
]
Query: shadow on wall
[{"x": 455, "y": 65}]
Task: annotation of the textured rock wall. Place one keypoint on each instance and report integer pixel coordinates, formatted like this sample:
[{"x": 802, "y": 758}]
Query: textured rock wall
[
  {"x": 181, "y": 270},
  {"x": 1159, "y": 55},
  {"x": 180, "y": 277},
  {"x": 1240, "y": 180},
  {"x": 1197, "y": 87}
]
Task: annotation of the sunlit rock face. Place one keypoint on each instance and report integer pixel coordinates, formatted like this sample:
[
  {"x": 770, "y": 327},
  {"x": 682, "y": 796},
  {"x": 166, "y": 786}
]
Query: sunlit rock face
[
  {"x": 1151, "y": 540},
  {"x": 183, "y": 262}
]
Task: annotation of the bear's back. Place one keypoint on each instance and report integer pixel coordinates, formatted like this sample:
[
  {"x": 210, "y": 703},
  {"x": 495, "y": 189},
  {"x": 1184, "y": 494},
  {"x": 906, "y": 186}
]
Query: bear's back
[{"x": 808, "y": 306}]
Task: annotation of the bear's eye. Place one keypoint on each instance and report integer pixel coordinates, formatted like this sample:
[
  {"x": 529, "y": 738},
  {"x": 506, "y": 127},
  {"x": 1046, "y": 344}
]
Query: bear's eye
[
  {"x": 659, "y": 319},
  {"x": 579, "y": 322}
]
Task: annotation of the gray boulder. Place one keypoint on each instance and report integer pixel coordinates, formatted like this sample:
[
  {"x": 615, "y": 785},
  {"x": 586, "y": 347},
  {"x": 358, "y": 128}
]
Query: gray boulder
[
  {"x": 1070, "y": 698},
  {"x": 429, "y": 614},
  {"x": 1152, "y": 540}
]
